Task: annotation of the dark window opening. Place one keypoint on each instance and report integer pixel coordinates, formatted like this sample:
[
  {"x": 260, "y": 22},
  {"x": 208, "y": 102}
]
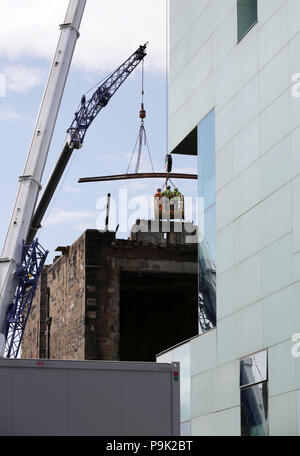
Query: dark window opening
[
  {"x": 157, "y": 311},
  {"x": 246, "y": 16}
]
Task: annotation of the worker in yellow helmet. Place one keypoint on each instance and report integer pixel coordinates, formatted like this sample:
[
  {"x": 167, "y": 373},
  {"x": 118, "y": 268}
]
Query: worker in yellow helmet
[{"x": 168, "y": 192}]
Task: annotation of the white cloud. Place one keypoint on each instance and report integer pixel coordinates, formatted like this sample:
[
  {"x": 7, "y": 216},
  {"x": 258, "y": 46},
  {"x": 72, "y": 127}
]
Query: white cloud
[
  {"x": 71, "y": 189},
  {"x": 59, "y": 216},
  {"x": 21, "y": 78},
  {"x": 110, "y": 31},
  {"x": 83, "y": 226},
  {"x": 30, "y": 27},
  {"x": 8, "y": 113},
  {"x": 142, "y": 184}
]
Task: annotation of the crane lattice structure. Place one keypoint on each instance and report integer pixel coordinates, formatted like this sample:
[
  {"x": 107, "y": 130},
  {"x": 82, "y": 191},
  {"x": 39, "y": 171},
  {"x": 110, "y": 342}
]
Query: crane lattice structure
[
  {"x": 91, "y": 108},
  {"x": 28, "y": 273}
]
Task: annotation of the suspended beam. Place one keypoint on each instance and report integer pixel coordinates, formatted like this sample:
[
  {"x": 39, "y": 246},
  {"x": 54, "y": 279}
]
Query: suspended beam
[{"x": 115, "y": 177}]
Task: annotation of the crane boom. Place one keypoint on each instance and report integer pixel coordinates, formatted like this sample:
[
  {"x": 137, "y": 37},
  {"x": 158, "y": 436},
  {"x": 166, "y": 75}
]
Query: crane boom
[
  {"x": 30, "y": 181},
  {"x": 89, "y": 109}
]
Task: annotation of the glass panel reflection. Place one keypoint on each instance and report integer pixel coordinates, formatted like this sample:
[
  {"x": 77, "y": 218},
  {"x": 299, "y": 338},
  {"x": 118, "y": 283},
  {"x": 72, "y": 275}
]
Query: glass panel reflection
[
  {"x": 254, "y": 410},
  {"x": 185, "y": 428},
  {"x": 253, "y": 369},
  {"x": 210, "y": 234},
  {"x": 247, "y": 16},
  {"x": 207, "y": 291},
  {"x": 206, "y": 157},
  {"x": 207, "y": 246}
]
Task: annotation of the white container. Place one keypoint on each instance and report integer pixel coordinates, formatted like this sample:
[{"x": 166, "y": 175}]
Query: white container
[{"x": 88, "y": 398}]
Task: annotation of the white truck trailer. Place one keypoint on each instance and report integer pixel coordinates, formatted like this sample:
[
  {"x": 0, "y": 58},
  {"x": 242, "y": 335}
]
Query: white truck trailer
[{"x": 41, "y": 397}]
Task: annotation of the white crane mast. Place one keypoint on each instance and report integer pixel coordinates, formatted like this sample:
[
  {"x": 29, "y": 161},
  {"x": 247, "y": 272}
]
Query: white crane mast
[{"x": 30, "y": 181}]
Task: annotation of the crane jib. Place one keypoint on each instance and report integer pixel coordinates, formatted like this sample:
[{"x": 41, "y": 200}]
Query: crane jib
[
  {"x": 76, "y": 133},
  {"x": 90, "y": 108}
]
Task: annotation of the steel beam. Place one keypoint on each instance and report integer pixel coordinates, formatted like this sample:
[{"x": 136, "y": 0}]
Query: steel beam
[{"x": 115, "y": 177}]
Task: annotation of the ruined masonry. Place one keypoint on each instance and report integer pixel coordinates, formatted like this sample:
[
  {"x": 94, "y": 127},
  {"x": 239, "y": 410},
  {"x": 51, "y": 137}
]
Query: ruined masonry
[{"x": 111, "y": 299}]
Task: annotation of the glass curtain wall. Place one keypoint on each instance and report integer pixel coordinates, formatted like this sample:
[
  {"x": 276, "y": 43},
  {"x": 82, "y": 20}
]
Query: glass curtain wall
[
  {"x": 207, "y": 222},
  {"x": 254, "y": 395}
]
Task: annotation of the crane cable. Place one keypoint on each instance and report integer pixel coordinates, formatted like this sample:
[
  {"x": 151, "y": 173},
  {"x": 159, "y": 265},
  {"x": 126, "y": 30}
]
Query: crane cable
[
  {"x": 143, "y": 82},
  {"x": 142, "y": 132},
  {"x": 167, "y": 84}
]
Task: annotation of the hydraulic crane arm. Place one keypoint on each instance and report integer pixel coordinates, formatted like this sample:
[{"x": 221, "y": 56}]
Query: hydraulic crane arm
[
  {"x": 89, "y": 109},
  {"x": 30, "y": 182}
]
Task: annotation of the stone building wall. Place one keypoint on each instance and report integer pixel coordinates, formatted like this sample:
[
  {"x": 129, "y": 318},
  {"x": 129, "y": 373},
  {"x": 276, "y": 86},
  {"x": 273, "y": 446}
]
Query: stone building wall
[
  {"x": 66, "y": 282},
  {"x": 106, "y": 257},
  {"x": 84, "y": 294},
  {"x": 59, "y": 302},
  {"x": 34, "y": 343}
]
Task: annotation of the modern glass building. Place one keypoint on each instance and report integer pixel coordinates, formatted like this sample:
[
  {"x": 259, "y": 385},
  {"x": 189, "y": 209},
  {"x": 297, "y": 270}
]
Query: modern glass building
[{"x": 235, "y": 103}]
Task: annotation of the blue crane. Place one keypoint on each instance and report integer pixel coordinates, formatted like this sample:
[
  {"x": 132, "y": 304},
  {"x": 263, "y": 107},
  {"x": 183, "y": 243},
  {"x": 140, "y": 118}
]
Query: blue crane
[
  {"x": 33, "y": 256},
  {"x": 90, "y": 109}
]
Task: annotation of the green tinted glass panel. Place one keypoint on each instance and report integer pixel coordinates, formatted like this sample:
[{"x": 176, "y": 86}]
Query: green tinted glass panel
[{"x": 246, "y": 16}]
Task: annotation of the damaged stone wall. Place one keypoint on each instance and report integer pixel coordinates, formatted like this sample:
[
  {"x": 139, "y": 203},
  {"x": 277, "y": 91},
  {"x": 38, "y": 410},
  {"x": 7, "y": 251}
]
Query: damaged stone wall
[
  {"x": 102, "y": 299},
  {"x": 84, "y": 294},
  {"x": 106, "y": 257},
  {"x": 34, "y": 342},
  {"x": 64, "y": 280}
]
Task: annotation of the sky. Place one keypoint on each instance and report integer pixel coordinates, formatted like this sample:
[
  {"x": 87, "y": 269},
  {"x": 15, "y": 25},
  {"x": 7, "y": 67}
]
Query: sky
[{"x": 110, "y": 32}]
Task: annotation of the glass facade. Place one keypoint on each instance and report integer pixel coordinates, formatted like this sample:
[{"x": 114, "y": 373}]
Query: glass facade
[
  {"x": 254, "y": 395},
  {"x": 246, "y": 16},
  {"x": 181, "y": 354},
  {"x": 254, "y": 410},
  {"x": 207, "y": 210},
  {"x": 253, "y": 369},
  {"x": 185, "y": 428}
]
